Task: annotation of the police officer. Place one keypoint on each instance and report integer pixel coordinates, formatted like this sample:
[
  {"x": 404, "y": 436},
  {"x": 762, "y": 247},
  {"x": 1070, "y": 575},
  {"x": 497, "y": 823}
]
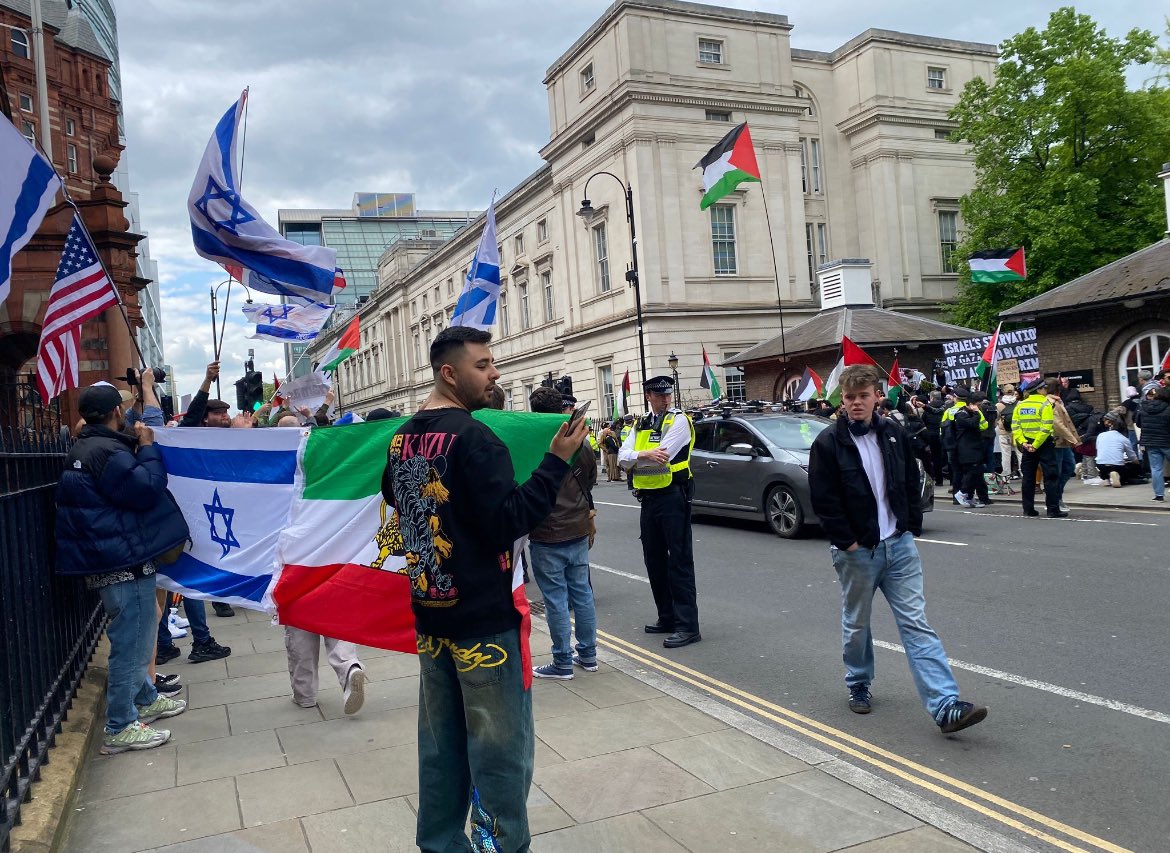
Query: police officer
[
  {"x": 1032, "y": 429},
  {"x": 657, "y": 455}
]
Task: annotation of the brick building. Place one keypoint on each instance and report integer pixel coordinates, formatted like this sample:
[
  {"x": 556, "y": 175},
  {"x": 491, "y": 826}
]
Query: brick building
[
  {"x": 83, "y": 119},
  {"x": 773, "y": 369}
]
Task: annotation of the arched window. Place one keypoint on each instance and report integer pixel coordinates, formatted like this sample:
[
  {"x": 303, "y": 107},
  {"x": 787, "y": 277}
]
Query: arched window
[
  {"x": 1145, "y": 352},
  {"x": 20, "y": 43},
  {"x": 785, "y": 387},
  {"x": 810, "y": 109}
]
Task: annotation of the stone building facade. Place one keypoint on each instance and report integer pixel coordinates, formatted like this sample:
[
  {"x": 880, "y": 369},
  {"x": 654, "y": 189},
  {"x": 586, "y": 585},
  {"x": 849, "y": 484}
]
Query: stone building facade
[
  {"x": 85, "y": 141},
  {"x": 856, "y": 161}
]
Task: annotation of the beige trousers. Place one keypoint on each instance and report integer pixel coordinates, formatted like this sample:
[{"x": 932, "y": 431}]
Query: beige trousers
[{"x": 304, "y": 652}]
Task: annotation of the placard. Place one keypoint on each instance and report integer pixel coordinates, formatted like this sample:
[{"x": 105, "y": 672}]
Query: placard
[
  {"x": 1007, "y": 371},
  {"x": 960, "y": 358}
]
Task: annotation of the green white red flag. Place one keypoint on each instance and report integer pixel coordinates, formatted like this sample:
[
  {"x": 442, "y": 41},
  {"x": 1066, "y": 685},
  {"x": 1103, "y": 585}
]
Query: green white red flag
[
  {"x": 727, "y": 165},
  {"x": 811, "y": 386},
  {"x": 709, "y": 380},
  {"x": 991, "y": 266},
  {"x": 349, "y": 343},
  {"x": 985, "y": 370},
  {"x": 895, "y": 390}
]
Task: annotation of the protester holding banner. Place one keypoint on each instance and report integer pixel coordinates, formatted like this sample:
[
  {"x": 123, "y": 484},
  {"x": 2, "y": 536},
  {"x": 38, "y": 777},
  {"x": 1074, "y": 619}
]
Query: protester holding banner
[{"x": 452, "y": 484}]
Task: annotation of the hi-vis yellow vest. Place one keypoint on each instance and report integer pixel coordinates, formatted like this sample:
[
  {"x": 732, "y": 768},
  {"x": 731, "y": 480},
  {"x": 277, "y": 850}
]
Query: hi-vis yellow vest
[{"x": 660, "y": 477}]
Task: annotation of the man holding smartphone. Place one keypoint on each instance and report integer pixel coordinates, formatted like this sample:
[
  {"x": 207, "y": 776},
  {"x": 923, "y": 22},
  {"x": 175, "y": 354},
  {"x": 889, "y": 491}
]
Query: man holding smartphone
[{"x": 657, "y": 455}]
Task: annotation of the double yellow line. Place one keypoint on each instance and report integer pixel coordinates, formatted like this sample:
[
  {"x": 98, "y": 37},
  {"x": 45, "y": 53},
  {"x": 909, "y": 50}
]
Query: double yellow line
[{"x": 955, "y": 790}]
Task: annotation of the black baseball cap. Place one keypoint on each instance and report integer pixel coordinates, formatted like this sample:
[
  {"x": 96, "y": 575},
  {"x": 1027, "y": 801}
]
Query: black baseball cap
[{"x": 97, "y": 401}]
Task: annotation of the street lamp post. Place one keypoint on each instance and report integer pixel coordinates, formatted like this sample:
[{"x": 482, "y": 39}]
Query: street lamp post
[
  {"x": 672, "y": 363},
  {"x": 217, "y": 344},
  {"x": 587, "y": 213}
]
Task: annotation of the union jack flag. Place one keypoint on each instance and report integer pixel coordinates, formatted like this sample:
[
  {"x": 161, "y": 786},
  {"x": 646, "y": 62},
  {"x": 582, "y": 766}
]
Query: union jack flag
[{"x": 81, "y": 290}]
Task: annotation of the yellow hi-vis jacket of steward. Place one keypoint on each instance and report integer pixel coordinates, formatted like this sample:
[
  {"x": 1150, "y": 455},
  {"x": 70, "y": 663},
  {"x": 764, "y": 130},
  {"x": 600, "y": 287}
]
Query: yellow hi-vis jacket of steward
[
  {"x": 1032, "y": 420},
  {"x": 625, "y": 432},
  {"x": 592, "y": 441},
  {"x": 661, "y": 477}
]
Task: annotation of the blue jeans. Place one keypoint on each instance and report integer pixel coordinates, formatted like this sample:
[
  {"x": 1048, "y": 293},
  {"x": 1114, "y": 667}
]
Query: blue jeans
[
  {"x": 476, "y": 745},
  {"x": 196, "y": 611},
  {"x": 895, "y": 568},
  {"x": 1068, "y": 466},
  {"x": 131, "y": 608},
  {"x": 1159, "y": 456},
  {"x": 561, "y": 570}
]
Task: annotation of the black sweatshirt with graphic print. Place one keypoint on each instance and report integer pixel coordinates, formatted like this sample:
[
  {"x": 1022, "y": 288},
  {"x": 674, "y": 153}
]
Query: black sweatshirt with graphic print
[{"x": 459, "y": 512}]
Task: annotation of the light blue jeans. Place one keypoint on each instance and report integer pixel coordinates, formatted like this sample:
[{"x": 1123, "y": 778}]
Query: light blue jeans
[
  {"x": 1159, "y": 456},
  {"x": 895, "y": 568},
  {"x": 561, "y": 570},
  {"x": 132, "y": 628}
]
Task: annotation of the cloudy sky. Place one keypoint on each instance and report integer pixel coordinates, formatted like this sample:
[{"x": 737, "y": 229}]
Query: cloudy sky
[{"x": 442, "y": 98}]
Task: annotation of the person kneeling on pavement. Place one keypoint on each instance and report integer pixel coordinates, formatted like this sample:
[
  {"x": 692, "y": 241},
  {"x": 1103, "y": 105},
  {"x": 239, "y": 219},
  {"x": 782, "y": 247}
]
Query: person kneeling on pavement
[
  {"x": 114, "y": 519},
  {"x": 1116, "y": 460}
]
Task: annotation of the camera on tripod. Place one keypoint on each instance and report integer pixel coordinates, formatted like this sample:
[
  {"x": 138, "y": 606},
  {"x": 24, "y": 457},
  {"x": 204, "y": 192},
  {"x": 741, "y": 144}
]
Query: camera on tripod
[{"x": 131, "y": 377}]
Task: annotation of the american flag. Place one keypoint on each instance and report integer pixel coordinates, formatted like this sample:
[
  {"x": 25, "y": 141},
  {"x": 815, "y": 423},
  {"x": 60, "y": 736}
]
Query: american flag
[{"x": 82, "y": 290}]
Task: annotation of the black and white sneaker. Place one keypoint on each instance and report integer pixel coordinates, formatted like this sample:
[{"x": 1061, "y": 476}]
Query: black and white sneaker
[
  {"x": 211, "y": 650},
  {"x": 859, "y": 699},
  {"x": 960, "y": 715},
  {"x": 167, "y": 685}
]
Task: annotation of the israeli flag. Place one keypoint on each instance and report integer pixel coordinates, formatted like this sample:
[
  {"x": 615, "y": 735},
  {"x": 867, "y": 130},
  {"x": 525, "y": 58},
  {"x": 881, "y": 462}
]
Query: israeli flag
[
  {"x": 481, "y": 291},
  {"x": 235, "y": 488},
  {"x": 28, "y": 187},
  {"x": 287, "y": 323},
  {"x": 228, "y": 230}
]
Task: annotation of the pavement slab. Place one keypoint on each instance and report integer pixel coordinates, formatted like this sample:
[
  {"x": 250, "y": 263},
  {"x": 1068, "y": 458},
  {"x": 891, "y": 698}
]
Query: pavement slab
[
  {"x": 383, "y": 827},
  {"x": 286, "y": 836},
  {"x": 623, "y": 726},
  {"x": 228, "y": 756},
  {"x": 266, "y": 714},
  {"x": 621, "y": 833},
  {"x": 360, "y": 733},
  {"x": 287, "y": 792},
  {"x": 728, "y": 759}
]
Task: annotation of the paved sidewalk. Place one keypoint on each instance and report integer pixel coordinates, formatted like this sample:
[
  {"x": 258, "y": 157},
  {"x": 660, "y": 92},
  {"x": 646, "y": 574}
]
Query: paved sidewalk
[
  {"x": 620, "y": 766},
  {"x": 1077, "y": 494}
]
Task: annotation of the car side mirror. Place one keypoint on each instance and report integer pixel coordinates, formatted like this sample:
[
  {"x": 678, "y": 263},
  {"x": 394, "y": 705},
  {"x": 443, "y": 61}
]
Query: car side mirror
[{"x": 743, "y": 450}]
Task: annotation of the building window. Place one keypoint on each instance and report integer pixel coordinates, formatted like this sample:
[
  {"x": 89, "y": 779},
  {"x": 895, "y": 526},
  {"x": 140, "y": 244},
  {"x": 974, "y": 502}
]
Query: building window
[
  {"x": 527, "y": 396},
  {"x": 20, "y": 43},
  {"x": 809, "y": 230},
  {"x": 804, "y": 165},
  {"x": 948, "y": 238},
  {"x": 822, "y": 243},
  {"x": 936, "y": 78},
  {"x": 70, "y": 127},
  {"x": 451, "y": 286},
  {"x": 425, "y": 303},
  {"x": 814, "y": 161},
  {"x": 587, "y": 140},
  {"x": 417, "y": 351},
  {"x": 525, "y": 318},
  {"x": 29, "y": 131},
  {"x": 734, "y": 384},
  {"x": 810, "y": 109},
  {"x": 718, "y": 115},
  {"x": 1144, "y": 353},
  {"x": 547, "y": 290},
  {"x": 723, "y": 238},
  {"x": 71, "y": 157},
  {"x": 542, "y": 231},
  {"x": 437, "y": 300},
  {"x": 519, "y": 244},
  {"x": 502, "y": 310},
  {"x": 601, "y": 254},
  {"x": 26, "y": 102},
  {"x": 942, "y": 133},
  {"x": 710, "y": 51},
  {"x": 508, "y": 404},
  {"x": 413, "y": 308},
  {"x": 377, "y": 375},
  {"x": 587, "y": 81},
  {"x": 605, "y": 383}
]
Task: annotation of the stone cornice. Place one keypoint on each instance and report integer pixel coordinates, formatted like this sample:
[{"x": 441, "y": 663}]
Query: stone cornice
[{"x": 893, "y": 115}]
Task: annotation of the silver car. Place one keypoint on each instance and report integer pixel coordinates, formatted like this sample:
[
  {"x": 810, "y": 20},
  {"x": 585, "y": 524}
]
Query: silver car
[{"x": 756, "y": 466}]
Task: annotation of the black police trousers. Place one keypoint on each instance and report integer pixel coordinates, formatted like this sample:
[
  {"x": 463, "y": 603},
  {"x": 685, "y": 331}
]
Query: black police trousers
[
  {"x": 1044, "y": 458},
  {"x": 670, "y": 562}
]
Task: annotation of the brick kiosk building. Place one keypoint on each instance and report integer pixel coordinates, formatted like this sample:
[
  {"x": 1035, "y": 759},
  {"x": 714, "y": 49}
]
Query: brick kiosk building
[
  {"x": 773, "y": 369},
  {"x": 83, "y": 120}
]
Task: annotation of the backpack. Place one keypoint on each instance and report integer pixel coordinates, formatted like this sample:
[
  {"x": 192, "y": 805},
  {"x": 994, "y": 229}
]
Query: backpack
[{"x": 1006, "y": 416}]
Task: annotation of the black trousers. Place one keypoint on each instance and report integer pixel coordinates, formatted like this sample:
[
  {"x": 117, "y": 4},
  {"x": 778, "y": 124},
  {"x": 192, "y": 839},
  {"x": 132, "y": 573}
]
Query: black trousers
[
  {"x": 670, "y": 562},
  {"x": 1045, "y": 459},
  {"x": 936, "y": 458},
  {"x": 974, "y": 486}
]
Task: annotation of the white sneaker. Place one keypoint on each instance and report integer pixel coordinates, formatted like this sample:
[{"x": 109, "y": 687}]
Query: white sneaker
[
  {"x": 960, "y": 499},
  {"x": 1115, "y": 479},
  {"x": 176, "y": 632},
  {"x": 1095, "y": 481},
  {"x": 179, "y": 620},
  {"x": 355, "y": 690}
]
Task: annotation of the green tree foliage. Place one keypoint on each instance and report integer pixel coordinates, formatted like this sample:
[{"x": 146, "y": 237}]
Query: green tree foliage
[{"x": 1066, "y": 158}]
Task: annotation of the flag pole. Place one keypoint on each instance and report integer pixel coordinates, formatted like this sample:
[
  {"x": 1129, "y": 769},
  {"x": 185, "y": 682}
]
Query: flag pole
[{"x": 776, "y": 271}]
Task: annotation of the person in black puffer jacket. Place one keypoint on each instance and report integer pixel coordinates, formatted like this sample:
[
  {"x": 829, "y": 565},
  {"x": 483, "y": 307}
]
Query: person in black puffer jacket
[
  {"x": 932, "y": 415},
  {"x": 971, "y": 449},
  {"x": 1155, "y": 424},
  {"x": 114, "y": 517}
]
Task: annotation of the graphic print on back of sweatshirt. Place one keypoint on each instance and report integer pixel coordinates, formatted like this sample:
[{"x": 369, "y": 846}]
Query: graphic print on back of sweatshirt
[{"x": 417, "y": 463}]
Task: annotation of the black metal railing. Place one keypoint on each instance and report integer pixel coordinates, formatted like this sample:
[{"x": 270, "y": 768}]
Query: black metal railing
[
  {"x": 22, "y": 409},
  {"x": 49, "y": 625}
]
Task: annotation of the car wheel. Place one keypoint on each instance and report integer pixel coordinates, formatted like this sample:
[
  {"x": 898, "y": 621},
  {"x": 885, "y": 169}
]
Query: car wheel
[{"x": 783, "y": 512}]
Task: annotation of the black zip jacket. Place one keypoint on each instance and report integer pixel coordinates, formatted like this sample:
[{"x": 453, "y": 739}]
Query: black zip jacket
[
  {"x": 1155, "y": 423},
  {"x": 841, "y": 495},
  {"x": 932, "y": 418}
]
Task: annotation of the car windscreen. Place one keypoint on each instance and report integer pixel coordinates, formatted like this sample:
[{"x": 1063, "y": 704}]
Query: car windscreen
[{"x": 789, "y": 433}]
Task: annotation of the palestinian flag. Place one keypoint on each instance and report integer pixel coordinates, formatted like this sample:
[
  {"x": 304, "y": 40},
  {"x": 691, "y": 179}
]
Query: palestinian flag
[
  {"x": 300, "y": 528},
  {"x": 709, "y": 380},
  {"x": 277, "y": 400},
  {"x": 346, "y": 345},
  {"x": 621, "y": 405},
  {"x": 851, "y": 353},
  {"x": 832, "y": 388},
  {"x": 811, "y": 386},
  {"x": 896, "y": 391},
  {"x": 731, "y": 162},
  {"x": 996, "y": 265},
  {"x": 985, "y": 370}
]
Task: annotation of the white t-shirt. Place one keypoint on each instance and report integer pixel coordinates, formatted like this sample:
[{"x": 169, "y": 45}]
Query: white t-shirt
[{"x": 875, "y": 471}]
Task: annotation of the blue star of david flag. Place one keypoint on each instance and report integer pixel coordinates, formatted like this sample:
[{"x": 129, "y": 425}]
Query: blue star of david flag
[
  {"x": 287, "y": 323},
  {"x": 481, "y": 291},
  {"x": 28, "y": 188},
  {"x": 234, "y": 487},
  {"x": 228, "y": 230}
]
